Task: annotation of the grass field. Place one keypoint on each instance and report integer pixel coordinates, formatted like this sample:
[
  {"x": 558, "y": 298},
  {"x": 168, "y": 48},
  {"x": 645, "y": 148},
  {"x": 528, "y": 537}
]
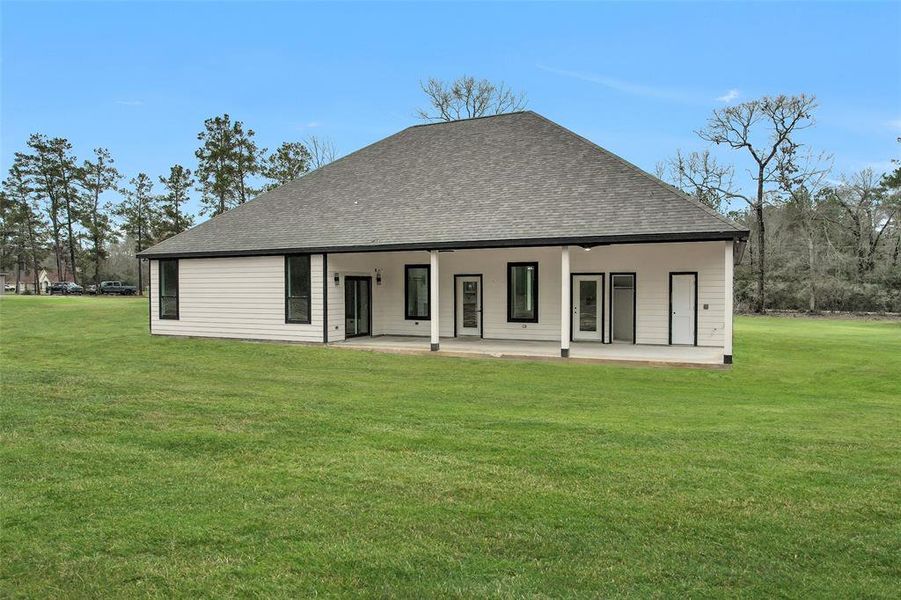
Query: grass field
[{"x": 140, "y": 466}]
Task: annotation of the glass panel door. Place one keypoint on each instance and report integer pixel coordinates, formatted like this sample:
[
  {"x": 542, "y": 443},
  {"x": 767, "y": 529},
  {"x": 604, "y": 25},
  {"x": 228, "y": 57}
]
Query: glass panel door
[
  {"x": 469, "y": 305},
  {"x": 357, "y": 301},
  {"x": 350, "y": 307},
  {"x": 588, "y": 307},
  {"x": 363, "y": 300}
]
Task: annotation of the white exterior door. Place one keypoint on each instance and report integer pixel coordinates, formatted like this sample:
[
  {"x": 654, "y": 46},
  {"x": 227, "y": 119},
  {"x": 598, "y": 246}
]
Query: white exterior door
[
  {"x": 588, "y": 303},
  {"x": 469, "y": 305},
  {"x": 682, "y": 308}
]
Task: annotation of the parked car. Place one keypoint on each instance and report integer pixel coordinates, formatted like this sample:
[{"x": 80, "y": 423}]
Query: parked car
[
  {"x": 91, "y": 289},
  {"x": 117, "y": 288},
  {"x": 10, "y": 287},
  {"x": 74, "y": 289},
  {"x": 60, "y": 288}
]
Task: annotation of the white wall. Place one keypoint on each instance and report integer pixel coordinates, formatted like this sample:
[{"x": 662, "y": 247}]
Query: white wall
[
  {"x": 388, "y": 298},
  {"x": 244, "y": 297},
  {"x": 652, "y": 264},
  {"x": 239, "y": 297}
]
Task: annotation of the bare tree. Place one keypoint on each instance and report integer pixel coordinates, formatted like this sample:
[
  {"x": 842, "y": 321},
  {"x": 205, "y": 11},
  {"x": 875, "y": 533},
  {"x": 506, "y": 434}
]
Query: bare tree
[
  {"x": 891, "y": 187},
  {"x": 804, "y": 181},
  {"x": 868, "y": 213},
  {"x": 322, "y": 151},
  {"x": 764, "y": 129},
  {"x": 466, "y": 98},
  {"x": 700, "y": 176}
]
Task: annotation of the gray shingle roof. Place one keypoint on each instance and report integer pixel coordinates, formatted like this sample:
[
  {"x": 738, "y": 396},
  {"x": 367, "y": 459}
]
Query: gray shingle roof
[{"x": 514, "y": 179}]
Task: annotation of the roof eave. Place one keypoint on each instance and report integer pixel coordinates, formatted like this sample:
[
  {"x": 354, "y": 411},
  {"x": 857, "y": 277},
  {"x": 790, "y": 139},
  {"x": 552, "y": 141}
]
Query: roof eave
[{"x": 588, "y": 241}]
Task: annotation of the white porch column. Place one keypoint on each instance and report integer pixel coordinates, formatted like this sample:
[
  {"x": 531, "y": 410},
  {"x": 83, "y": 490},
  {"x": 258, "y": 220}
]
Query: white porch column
[
  {"x": 565, "y": 302},
  {"x": 727, "y": 304},
  {"x": 433, "y": 298}
]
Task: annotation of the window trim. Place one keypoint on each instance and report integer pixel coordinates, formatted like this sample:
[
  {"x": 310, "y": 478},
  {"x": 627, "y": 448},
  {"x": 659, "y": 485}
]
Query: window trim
[
  {"x": 428, "y": 279},
  {"x": 159, "y": 277},
  {"x": 309, "y": 316},
  {"x": 510, "y": 317}
]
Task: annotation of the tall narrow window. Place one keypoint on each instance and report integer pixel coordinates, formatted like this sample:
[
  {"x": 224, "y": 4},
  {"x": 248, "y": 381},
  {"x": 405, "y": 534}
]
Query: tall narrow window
[
  {"x": 417, "y": 288},
  {"x": 522, "y": 292},
  {"x": 169, "y": 288},
  {"x": 297, "y": 289}
]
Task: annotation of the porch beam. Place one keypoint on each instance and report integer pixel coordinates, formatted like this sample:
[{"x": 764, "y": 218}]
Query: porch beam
[
  {"x": 565, "y": 302},
  {"x": 433, "y": 299},
  {"x": 727, "y": 302}
]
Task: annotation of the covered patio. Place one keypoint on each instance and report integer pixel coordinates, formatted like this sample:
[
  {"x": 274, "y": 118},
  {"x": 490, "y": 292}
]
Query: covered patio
[{"x": 647, "y": 354}]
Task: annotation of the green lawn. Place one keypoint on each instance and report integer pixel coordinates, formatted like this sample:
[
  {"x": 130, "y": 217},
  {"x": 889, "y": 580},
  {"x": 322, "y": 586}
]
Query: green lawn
[{"x": 140, "y": 466}]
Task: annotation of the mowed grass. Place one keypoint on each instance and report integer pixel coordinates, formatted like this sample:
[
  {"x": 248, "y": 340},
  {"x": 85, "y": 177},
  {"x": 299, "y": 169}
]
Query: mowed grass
[{"x": 134, "y": 465}]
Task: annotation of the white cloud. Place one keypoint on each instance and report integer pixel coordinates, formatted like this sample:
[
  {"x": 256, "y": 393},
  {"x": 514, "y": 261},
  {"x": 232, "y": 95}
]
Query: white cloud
[
  {"x": 626, "y": 87},
  {"x": 313, "y": 124},
  {"x": 728, "y": 96},
  {"x": 648, "y": 91},
  {"x": 895, "y": 124},
  {"x": 130, "y": 102}
]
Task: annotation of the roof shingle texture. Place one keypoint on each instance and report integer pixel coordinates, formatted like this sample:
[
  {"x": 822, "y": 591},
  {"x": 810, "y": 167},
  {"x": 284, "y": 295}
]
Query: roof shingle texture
[{"x": 518, "y": 176}]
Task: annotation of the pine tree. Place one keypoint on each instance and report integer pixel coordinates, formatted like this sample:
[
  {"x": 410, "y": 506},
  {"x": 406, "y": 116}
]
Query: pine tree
[
  {"x": 227, "y": 161},
  {"x": 24, "y": 232},
  {"x": 53, "y": 173},
  {"x": 287, "y": 163},
  {"x": 174, "y": 219},
  {"x": 140, "y": 216},
  {"x": 95, "y": 178}
]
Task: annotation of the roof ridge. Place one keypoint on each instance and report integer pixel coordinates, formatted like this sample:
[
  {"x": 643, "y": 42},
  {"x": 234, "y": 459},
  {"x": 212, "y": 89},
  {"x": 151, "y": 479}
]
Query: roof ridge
[
  {"x": 506, "y": 114},
  {"x": 658, "y": 181}
]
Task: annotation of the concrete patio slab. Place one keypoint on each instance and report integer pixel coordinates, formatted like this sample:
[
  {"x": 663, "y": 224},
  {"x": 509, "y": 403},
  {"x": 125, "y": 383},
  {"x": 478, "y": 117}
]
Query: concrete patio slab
[{"x": 579, "y": 351}]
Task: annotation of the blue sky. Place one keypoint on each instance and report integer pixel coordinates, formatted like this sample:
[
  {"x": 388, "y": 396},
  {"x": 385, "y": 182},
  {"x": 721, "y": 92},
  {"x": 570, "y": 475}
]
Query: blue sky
[{"x": 636, "y": 78}]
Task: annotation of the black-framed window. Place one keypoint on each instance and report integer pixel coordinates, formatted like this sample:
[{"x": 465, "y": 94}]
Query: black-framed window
[
  {"x": 168, "y": 288},
  {"x": 297, "y": 289},
  {"x": 522, "y": 292},
  {"x": 417, "y": 292}
]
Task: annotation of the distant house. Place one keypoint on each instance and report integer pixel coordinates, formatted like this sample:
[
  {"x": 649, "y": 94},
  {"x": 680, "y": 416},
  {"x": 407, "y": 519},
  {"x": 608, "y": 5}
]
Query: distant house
[
  {"x": 45, "y": 278},
  {"x": 508, "y": 228}
]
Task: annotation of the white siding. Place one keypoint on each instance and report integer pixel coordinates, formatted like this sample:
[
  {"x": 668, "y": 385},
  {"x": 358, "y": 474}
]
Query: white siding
[
  {"x": 238, "y": 297},
  {"x": 651, "y": 263},
  {"x": 244, "y": 297}
]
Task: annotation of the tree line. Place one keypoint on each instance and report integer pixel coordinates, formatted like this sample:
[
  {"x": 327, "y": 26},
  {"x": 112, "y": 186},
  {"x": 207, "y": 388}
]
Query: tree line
[
  {"x": 75, "y": 214},
  {"x": 819, "y": 240}
]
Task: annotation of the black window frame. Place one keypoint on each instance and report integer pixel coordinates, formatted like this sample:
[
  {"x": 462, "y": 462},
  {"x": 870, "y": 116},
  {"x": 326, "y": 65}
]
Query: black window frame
[
  {"x": 510, "y": 317},
  {"x": 308, "y": 319},
  {"x": 159, "y": 276},
  {"x": 428, "y": 280}
]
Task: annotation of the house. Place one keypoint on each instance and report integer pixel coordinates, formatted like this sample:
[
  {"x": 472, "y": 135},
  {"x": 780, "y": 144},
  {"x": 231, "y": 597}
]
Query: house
[
  {"x": 508, "y": 233},
  {"x": 45, "y": 278}
]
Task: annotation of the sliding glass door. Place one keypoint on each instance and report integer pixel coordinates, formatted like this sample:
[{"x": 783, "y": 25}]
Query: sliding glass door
[{"x": 357, "y": 306}]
